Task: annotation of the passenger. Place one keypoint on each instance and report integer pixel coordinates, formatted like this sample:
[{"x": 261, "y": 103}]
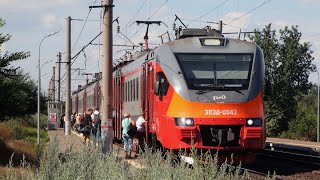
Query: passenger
[
  {"x": 79, "y": 118},
  {"x": 96, "y": 131},
  {"x": 141, "y": 124},
  {"x": 77, "y": 126},
  {"x": 127, "y": 140},
  {"x": 62, "y": 120},
  {"x": 87, "y": 125},
  {"x": 73, "y": 119}
]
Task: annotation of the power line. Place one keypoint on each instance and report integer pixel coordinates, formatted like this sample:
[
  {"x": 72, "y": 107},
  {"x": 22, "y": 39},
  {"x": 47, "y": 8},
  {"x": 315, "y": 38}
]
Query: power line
[
  {"x": 237, "y": 27},
  {"x": 249, "y": 11},
  {"x": 150, "y": 18},
  {"x": 211, "y": 22},
  {"x": 212, "y": 10},
  {"x": 135, "y": 14},
  {"x": 84, "y": 24}
]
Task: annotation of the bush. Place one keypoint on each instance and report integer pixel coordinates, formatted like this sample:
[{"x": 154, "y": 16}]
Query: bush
[{"x": 33, "y": 120}]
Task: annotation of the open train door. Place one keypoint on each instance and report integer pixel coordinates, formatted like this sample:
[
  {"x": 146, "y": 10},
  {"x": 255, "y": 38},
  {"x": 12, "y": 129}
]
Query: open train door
[{"x": 147, "y": 96}]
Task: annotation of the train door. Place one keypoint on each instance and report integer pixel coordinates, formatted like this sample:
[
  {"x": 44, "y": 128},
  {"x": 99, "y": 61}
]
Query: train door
[
  {"x": 117, "y": 104},
  {"x": 147, "y": 97}
]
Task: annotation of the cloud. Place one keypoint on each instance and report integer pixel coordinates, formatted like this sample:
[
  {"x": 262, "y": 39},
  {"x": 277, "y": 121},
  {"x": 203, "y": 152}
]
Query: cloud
[{"x": 48, "y": 20}]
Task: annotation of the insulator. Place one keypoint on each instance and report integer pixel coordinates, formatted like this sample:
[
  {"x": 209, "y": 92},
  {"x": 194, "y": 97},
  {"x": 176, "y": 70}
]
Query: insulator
[
  {"x": 118, "y": 29},
  {"x": 174, "y": 26}
]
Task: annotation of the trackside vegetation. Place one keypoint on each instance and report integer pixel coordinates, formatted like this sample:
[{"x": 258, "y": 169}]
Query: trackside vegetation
[
  {"x": 18, "y": 137},
  {"x": 292, "y": 108},
  {"x": 89, "y": 163}
]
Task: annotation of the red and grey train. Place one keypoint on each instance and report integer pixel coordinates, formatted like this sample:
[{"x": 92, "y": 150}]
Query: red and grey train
[{"x": 202, "y": 87}]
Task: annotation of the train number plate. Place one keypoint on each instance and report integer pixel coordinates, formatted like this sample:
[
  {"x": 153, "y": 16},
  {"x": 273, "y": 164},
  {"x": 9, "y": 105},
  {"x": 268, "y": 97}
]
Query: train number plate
[{"x": 226, "y": 112}]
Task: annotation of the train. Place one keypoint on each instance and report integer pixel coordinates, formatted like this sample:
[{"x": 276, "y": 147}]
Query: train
[{"x": 201, "y": 90}]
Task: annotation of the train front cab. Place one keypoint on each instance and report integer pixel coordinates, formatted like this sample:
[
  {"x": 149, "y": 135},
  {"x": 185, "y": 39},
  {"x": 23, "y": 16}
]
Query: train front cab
[
  {"x": 180, "y": 124},
  {"x": 209, "y": 126},
  {"x": 233, "y": 127}
]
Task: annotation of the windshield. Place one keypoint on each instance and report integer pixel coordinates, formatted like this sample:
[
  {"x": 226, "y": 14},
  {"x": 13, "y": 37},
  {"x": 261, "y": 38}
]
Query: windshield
[{"x": 216, "y": 71}]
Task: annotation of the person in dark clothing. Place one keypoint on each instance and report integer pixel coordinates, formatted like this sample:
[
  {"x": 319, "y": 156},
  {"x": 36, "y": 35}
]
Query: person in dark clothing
[
  {"x": 87, "y": 125},
  {"x": 62, "y": 121}
]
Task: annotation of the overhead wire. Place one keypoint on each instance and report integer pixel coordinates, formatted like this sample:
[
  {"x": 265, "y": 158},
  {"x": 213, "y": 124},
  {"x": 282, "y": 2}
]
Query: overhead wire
[
  {"x": 212, "y": 9},
  {"x": 84, "y": 24},
  {"x": 150, "y": 18},
  {"x": 249, "y": 11}
]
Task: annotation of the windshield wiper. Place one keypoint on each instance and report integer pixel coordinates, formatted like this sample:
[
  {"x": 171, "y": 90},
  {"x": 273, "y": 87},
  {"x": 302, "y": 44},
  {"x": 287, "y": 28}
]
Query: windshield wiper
[
  {"x": 217, "y": 88},
  {"x": 203, "y": 91},
  {"x": 210, "y": 88}
]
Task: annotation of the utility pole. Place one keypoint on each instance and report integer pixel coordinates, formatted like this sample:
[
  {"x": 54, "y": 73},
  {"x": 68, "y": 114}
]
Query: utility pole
[
  {"x": 106, "y": 124},
  {"x": 318, "y": 109},
  {"x": 59, "y": 81},
  {"x": 49, "y": 96},
  {"x": 54, "y": 86},
  {"x": 68, "y": 79}
]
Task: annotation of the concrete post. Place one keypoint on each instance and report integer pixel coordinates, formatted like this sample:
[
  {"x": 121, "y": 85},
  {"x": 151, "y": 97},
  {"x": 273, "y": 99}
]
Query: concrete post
[
  {"x": 106, "y": 126},
  {"x": 54, "y": 86},
  {"x": 68, "y": 79},
  {"x": 59, "y": 81}
]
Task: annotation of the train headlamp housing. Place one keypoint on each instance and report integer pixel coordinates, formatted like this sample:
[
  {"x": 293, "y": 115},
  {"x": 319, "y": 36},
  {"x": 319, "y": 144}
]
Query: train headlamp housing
[
  {"x": 184, "y": 121},
  {"x": 253, "y": 122},
  {"x": 213, "y": 42}
]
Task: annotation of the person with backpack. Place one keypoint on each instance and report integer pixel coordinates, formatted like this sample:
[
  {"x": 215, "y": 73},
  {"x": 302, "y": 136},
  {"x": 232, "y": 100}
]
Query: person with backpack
[
  {"x": 96, "y": 131},
  {"x": 87, "y": 125},
  {"x": 126, "y": 138}
]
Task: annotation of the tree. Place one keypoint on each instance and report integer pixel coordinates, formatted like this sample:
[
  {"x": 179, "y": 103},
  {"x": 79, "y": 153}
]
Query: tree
[
  {"x": 6, "y": 69},
  {"x": 288, "y": 66},
  {"x": 18, "y": 91},
  {"x": 303, "y": 127}
]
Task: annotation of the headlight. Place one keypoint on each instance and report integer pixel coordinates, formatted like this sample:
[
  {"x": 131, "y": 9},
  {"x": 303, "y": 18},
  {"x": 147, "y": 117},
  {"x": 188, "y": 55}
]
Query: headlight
[
  {"x": 184, "y": 121},
  {"x": 254, "y": 122}
]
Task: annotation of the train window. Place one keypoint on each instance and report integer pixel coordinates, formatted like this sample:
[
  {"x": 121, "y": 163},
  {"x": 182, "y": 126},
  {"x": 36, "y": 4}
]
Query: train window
[
  {"x": 137, "y": 89},
  {"x": 134, "y": 89},
  {"x": 164, "y": 84},
  {"x": 130, "y": 88},
  {"x": 221, "y": 71},
  {"x": 125, "y": 92}
]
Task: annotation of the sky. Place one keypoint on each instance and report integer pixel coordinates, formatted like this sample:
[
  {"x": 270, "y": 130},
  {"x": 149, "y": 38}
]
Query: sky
[{"x": 29, "y": 21}]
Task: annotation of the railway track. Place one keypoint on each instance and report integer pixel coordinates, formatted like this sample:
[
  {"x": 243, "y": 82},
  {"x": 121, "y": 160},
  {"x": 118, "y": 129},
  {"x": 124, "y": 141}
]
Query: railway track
[
  {"x": 294, "y": 157},
  {"x": 286, "y": 165}
]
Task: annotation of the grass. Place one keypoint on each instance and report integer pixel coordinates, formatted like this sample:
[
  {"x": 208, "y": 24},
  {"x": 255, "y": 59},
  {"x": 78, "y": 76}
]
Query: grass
[
  {"x": 19, "y": 137},
  {"x": 90, "y": 163}
]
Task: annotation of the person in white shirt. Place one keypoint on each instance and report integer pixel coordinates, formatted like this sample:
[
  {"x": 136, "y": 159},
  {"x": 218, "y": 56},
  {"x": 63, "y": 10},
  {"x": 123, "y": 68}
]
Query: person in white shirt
[
  {"x": 96, "y": 131},
  {"x": 141, "y": 124}
]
